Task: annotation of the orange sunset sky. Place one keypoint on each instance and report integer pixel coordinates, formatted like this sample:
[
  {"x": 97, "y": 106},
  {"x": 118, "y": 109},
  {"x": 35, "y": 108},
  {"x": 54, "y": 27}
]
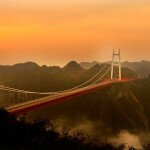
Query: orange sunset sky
[{"x": 54, "y": 32}]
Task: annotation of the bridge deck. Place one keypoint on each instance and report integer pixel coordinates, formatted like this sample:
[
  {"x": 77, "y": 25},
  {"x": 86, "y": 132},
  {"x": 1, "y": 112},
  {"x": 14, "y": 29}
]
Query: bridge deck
[{"x": 33, "y": 104}]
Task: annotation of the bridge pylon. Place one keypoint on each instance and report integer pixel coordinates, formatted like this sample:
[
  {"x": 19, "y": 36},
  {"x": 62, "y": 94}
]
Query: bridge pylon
[{"x": 116, "y": 61}]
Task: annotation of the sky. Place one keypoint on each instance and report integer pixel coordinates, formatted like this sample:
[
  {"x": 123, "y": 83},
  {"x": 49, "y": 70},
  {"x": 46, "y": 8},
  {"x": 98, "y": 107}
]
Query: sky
[{"x": 53, "y": 32}]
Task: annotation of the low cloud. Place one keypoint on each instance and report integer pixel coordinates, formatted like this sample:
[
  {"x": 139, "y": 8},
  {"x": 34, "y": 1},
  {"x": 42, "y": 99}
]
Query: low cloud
[
  {"x": 98, "y": 131},
  {"x": 128, "y": 139}
]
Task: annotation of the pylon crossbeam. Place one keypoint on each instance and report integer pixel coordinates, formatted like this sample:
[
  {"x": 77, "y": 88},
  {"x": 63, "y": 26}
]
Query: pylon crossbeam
[{"x": 116, "y": 63}]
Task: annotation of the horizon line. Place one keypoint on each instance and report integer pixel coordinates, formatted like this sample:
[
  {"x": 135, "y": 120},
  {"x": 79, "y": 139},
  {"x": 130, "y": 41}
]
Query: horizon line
[{"x": 39, "y": 64}]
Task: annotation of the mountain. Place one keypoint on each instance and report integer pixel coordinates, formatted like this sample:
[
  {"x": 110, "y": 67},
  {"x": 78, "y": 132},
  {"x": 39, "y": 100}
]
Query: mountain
[
  {"x": 103, "y": 112},
  {"x": 73, "y": 66},
  {"x": 30, "y": 76},
  {"x": 88, "y": 65},
  {"x": 126, "y": 72},
  {"x": 112, "y": 109},
  {"x": 142, "y": 68},
  {"x": 121, "y": 106},
  {"x": 27, "y": 65}
]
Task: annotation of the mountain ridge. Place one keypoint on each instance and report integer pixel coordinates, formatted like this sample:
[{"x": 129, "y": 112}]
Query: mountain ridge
[
  {"x": 88, "y": 65},
  {"x": 141, "y": 67}
]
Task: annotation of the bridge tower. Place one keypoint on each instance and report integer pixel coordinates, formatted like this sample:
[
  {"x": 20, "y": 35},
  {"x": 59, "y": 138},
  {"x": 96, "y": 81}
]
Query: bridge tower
[{"x": 116, "y": 61}]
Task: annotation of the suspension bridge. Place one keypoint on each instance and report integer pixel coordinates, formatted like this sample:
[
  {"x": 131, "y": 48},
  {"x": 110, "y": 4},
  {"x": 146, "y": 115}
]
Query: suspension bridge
[{"x": 21, "y": 101}]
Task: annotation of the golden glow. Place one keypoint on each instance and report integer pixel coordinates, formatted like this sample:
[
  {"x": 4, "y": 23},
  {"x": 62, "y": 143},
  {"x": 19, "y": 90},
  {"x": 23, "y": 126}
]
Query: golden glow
[{"x": 56, "y": 32}]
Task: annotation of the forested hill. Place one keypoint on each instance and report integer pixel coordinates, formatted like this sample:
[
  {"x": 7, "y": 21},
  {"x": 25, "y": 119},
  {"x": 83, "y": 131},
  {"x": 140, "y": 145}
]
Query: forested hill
[
  {"x": 141, "y": 67},
  {"x": 116, "y": 108},
  {"x": 106, "y": 112},
  {"x": 30, "y": 76}
]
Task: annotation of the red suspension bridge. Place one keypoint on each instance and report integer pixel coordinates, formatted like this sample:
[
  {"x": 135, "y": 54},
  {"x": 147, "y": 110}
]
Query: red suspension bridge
[{"x": 24, "y": 101}]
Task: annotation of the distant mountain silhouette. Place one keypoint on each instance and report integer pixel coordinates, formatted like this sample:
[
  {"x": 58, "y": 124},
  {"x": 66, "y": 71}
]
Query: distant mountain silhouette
[
  {"x": 88, "y": 65},
  {"x": 125, "y": 71},
  {"x": 142, "y": 68},
  {"x": 30, "y": 76},
  {"x": 27, "y": 65},
  {"x": 73, "y": 66}
]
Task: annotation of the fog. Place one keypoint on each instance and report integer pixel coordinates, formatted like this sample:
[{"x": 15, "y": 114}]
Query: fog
[{"x": 99, "y": 132}]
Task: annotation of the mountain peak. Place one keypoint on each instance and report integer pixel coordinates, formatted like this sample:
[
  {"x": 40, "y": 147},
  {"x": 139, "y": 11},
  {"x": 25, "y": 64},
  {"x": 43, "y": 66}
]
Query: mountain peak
[{"x": 73, "y": 66}]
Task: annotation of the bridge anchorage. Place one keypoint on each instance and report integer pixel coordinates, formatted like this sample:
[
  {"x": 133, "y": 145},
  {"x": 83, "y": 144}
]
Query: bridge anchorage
[{"x": 116, "y": 61}]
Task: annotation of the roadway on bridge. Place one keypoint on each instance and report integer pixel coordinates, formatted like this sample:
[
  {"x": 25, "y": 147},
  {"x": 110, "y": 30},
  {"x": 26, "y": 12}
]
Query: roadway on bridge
[{"x": 34, "y": 104}]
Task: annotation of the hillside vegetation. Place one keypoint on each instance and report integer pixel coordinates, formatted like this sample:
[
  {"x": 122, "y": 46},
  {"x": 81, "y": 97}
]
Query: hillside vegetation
[
  {"x": 102, "y": 114},
  {"x": 43, "y": 135},
  {"x": 141, "y": 68},
  {"x": 30, "y": 76}
]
